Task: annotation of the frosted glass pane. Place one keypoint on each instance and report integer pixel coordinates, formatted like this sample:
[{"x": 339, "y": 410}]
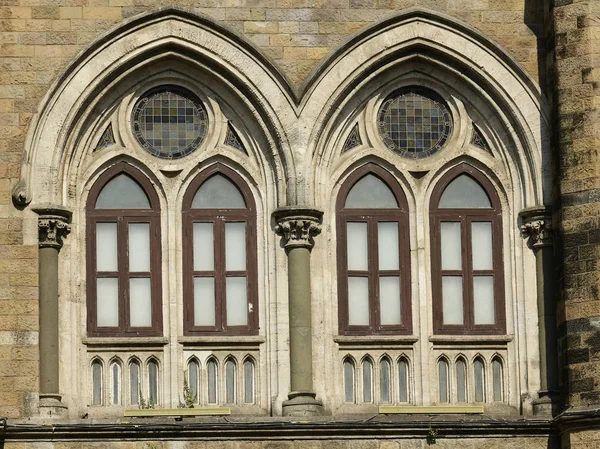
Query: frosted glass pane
[
  {"x": 358, "y": 301},
  {"x": 464, "y": 192},
  {"x": 107, "y": 303},
  {"x": 452, "y": 298},
  {"x": 357, "y": 246},
  {"x": 152, "y": 383},
  {"x": 97, "y": 383},
  {"x": 389, "y": 300},
  {"x": 478, "y": 367},
  {"x": 384, "y": 381},
  {"x": 443, "y": 381},
  {"x": 193, "y": 379},
  {"x": 122, "y": 192},
  {"x": 403, "y": 381},
  {"x": 140, "y": 302},
  {"x": 387, "y": 236},
  {"x": 451, "y": 245},
  {"x": 237, "y": 303},
  {"x": 481, "y": 237},
  {"x": 235, "y": 246},
  {"x": 134, "y": 382},
  {"x": 367, "y": 368},
  {"x": 116, "y": 381},
  {"x": 204, "y": 301},
  {"x": 483, "y": 295},
  {"x": 230, "y": 382},
  {"x": 204, "y": 247},
  {"x": 370, "y": 192},
  {"x": 218, "y": 192},
  {"x": 497, "y": 373},
  {"x": 461, "y": 381},
  {"x": 248, "y": 382},
  {"x": 106, "y": 247},
  {"x": 139, "y": 247},
  {"x": 212, "y": 382},
  {"x": 348, "y": 382}
]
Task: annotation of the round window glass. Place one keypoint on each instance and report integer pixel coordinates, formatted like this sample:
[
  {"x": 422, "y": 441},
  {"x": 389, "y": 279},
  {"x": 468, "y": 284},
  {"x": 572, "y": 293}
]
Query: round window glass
[
  {"x": 414, "y": 122},
  {"x": 169, "y": 122}
]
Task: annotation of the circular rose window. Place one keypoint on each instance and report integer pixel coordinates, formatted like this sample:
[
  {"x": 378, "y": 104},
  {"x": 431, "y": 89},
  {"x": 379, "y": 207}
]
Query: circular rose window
[
  {"x": 169, "y": 122},
  {"x": 414, "y": 122}
]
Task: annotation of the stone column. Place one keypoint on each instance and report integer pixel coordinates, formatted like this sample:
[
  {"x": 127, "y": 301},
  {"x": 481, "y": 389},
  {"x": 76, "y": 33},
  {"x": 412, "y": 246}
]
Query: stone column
[
  {"x": 53, "y": 225},
  {"x": 537, "y": 228},
  {"x": 297, "y": 227}
]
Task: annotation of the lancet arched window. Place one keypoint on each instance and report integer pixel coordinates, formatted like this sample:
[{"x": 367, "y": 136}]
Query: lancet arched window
[
  {"x": 219, "y": 253},
  {"x": 467, "y": 273},
  {"x": 123, "y": 255},
  {"x": 373, "y": 254}
]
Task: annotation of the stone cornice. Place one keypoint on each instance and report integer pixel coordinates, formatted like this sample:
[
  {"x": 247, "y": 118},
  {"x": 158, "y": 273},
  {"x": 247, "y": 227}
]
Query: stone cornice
[
  {"x": 297, "y": 226},
  {"x": 53, "y": 225},
  {"x": 537, "y": 226}
]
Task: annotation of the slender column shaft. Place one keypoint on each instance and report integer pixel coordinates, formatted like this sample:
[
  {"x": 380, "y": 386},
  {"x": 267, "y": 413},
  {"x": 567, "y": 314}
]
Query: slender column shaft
[
  {"x": 48, "y": 291},
  {"x": 547, "y": 319}
]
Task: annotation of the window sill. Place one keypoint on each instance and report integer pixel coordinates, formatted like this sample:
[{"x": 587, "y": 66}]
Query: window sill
[
  {"x": 388, "y": 341},
  {"x": 480, "y": 340},
  {"x": 137, "y": 342},
  {"x": 223, "y": 341}
]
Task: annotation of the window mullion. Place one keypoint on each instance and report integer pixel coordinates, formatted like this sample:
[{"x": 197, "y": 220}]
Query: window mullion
[
  {"x": 373, "y": 267},
  {"x": 123, "y": 270},
  {"x": 220, "y": 293},
  {"x": 468, "y": 272}
]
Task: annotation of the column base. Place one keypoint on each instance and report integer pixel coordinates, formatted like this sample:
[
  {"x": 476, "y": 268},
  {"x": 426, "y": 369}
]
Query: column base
[
  {"x": 302, "y": 403},
  {"x": 547, "y": 404},
  {"x": 51, "y": 405}
]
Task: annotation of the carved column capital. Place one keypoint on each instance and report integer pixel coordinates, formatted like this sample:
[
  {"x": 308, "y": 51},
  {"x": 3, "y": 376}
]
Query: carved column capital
[
  {"x": 297, "y": 226},
  {"x": 53, "y": 225},
  {"x": 536, "y": 226}
]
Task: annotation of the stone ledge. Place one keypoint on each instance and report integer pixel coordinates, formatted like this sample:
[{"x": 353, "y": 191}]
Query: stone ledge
[
  {"x": 378, "y": 341},
  {"x": 121, "y": 342}
]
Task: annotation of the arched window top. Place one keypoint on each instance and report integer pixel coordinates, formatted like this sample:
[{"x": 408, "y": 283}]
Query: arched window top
[
  {"x": 218, "y": 192},
  {"x": 122, "y": 192},
  {"x": 370, "y": 192},
  {"x": 463, "y": 192}
]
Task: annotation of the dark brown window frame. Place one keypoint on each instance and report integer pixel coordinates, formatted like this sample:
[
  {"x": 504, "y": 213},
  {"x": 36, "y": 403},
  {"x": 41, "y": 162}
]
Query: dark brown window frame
[
  {"x": 123, "y": 217},
  {"x": 466, "y": 217},
  {"x": 219, "y": 217},
  {"x": 372, "y": 217}
]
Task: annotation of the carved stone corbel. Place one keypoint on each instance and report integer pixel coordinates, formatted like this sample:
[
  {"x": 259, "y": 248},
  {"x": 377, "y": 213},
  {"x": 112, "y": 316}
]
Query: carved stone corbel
[
  {"x": 537, "y": 226},
  {"x": 298, "y": 226}
]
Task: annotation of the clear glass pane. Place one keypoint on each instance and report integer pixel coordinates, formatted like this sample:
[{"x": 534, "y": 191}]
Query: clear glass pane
[
  {"x": 193, "y": 370},
  {"x": 358, "y": 301},
  {"x": 452, "y": 299},
  {"x": 230, "y": 382},
  {"x": 367, "y": 369},
  {"x": 348, "y": 381},
  {"x": 134, "y": 382},
  {"x": 106, "y": 247},
  {"x": 139, "y": 247},
  {"x": 483, "y": 299},
  {"x": 116, "y": 381},
  {"x": 218, "y": 192},
  {"x": 152, "y": 383},
  {"x": 461, "y": 381},
  {"x": 497, "y": 373},
  {"x": 97, "y": 383},
  {"x": 387, "y": 236},
  {"x": 212, "y": 382},
  {"x": 479, "y": 381},
  {"x": 443, "y": 380},
  {"x": 204, "y": 247},
  {"x": 370, "y": 192},
  {"x": 140, "y": 302},
  {"x": 357, "y": 246},
  {"x": 451, "y": 245},
  {"x": 248, "y": 382},
  {"x": 235, "y": 246},
  {"x": 389, "y": 300},
  {"x": 403, "y": 381},
  {"x": 204, "y": 301},
  {"x": 481, "y": 238},
  {"x": 464, "y": 192},
  {"x": 122, "y": 192},
  {"x": 237, "y": 302},
  {"x": 107, "y": 303},
  {"x": 384, "y": 381}
]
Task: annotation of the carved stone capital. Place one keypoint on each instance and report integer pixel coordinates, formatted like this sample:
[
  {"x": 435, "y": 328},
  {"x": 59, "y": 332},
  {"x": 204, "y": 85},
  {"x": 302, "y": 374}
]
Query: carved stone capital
[
  {"x": 53, "y": 225},
  {"x": 297, "y": 226},
  {"x": 536, "y": 226}
]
